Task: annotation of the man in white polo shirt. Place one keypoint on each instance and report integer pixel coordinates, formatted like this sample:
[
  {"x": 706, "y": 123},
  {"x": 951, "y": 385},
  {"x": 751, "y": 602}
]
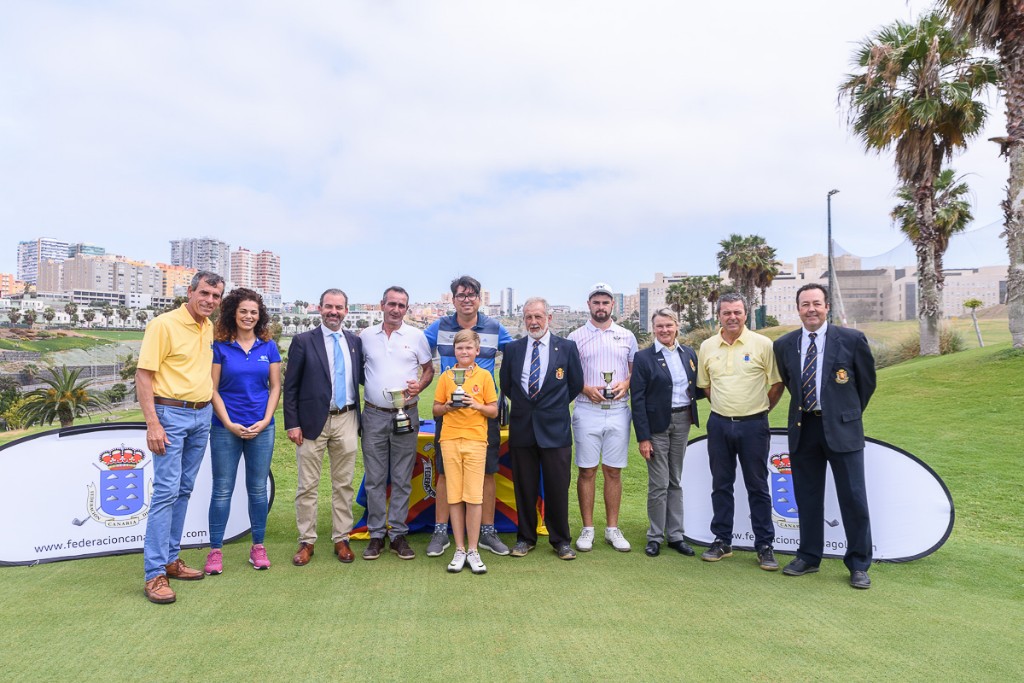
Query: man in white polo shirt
[
  {"x": 396, "y": 356},
  {"x": 600, "y": 423}
]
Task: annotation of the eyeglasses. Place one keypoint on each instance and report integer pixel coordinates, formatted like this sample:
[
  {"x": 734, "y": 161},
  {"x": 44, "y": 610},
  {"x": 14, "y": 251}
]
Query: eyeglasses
[{"x": 465, "y": 297}]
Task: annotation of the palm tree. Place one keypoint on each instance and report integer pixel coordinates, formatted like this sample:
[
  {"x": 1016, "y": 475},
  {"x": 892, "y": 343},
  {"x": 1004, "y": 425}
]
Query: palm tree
[
  {"x": 745, "y": 259},
  {"x": 89, "y": 316},
  {"x": 952, "y": 214},
  {"x": 14, "y": 315},
  {"x": 677, "y": 296},
  {"x": 64, "y": 398},
  {"x": 108, "y": 314},
  {"x": 765, "y": 267},
  {"x": 973, "y": 305},
  {"x": 71, "y": 309},
  {"x": 123, "y": 312},
  {"x": 29, "y": 316},
  {"x": 998, "y": 24},
  {"x": 49, "y": 314},
  {"x": 914, "y": 89},
  {"x": 142, "y": 317}
]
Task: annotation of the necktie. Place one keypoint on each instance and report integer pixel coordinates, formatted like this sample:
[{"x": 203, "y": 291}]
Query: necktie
[
  {"x": 340, "y": 385},
  {"x": 534, "y": 384},
  {"x": 809, "y": 376}
]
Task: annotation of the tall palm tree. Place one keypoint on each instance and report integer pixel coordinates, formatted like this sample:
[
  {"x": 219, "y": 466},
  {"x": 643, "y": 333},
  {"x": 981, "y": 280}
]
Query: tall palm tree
[
  {"x": 914, "y": 89},
  {"x": 748, "y": 261},
  {"x": 952, "y": 214},
  {"x": 49, "y": 314},
  {"x": 14, "y": 315},
  {"x": 63, "y": 398},
  {"x": 999, "y": 24},
  {"x": 89, "y": 316},
  {"x": 677, "y": 297},
  {"x": 29, "y": 317}
]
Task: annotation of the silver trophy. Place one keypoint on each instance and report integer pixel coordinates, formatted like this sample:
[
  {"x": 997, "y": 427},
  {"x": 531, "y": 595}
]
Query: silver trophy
[
  {"x": 459, "y": 395},
  {"x": 401, "y": 423},
  {"x": 607, "y": 392}
]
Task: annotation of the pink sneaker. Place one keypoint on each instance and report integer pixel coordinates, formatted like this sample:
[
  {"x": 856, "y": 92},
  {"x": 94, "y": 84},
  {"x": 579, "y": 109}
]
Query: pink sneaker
[
  {"x": 258, "y": 557},
  {"x": 214, "y": 562}
]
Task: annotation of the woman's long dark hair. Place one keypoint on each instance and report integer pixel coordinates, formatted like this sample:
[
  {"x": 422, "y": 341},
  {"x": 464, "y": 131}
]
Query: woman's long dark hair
[{"x": 227, "y": 328}]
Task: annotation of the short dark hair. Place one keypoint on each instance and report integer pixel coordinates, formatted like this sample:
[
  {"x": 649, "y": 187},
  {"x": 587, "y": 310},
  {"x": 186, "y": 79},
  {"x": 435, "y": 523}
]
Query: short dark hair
[
  {"x": 206, "y": 276},
  {"x": 814, "y": 285},
  {"x": 227, "y": 326},
  {"x": 730, "y": 297},
  {"x": 466, "y": 282},
  {"x": 333, "y": 290},
  {"x": 393, "y": 288}
]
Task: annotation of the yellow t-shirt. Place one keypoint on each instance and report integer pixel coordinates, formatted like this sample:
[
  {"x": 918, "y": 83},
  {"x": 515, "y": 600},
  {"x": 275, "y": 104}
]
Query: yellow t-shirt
[
  {"x": 179, "y": 351},
  {"x": 739, "y": 374},
  {"x": 466, "y": 423}
]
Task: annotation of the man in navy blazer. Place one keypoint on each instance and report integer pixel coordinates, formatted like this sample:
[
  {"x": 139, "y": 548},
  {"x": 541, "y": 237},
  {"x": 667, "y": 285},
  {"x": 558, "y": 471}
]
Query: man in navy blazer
[
  {"x": 830, "y": 374},
  {"x": 321, "y": 411},
  {"x": 664, "y": 397},
  {"x": 541, "y": 374}
]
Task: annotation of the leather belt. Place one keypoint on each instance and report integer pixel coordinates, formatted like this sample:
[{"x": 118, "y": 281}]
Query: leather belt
[
  {"x": 816, "y": 413},
  {"x": 389, "y": 410},
  {"x": 680, "y": 409},
  {"x": 744, "y": 418},
  {"x": 174, "y": 403},
  {"x": 341, "y": 411}
]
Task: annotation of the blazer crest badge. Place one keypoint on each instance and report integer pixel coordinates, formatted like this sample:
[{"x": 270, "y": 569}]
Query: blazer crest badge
[{"x": 842, "y": 376}]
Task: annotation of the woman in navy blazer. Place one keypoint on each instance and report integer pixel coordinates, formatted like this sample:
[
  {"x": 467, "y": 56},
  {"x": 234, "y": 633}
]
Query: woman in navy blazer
[{"x": 662, "y": 426}]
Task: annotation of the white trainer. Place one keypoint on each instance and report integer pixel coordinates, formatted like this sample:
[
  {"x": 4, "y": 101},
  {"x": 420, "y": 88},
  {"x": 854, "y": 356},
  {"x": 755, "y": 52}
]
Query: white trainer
[
  {"x": 458, "y": 562},
  {"x": 476, "y": 565},
  {"x": 585, "y": 543},
  {"x": 613, "y": 537}
]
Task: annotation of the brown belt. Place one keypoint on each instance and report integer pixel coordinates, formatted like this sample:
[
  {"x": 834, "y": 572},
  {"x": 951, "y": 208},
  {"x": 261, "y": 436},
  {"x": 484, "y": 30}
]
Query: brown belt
[
  {"x": 175, "y": 403},
  {"x": 388, "y": 410},
  {"x": 341, "y": 411}
]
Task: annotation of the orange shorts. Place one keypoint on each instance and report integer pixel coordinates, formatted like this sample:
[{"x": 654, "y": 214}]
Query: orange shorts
[{"x": 464, "y": 461}]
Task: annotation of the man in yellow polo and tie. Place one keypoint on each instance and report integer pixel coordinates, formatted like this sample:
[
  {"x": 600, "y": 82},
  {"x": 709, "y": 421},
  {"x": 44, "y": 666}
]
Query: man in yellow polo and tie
[
  {"x": 174, "y": 388},
  {"x": 738, "y": 372}
]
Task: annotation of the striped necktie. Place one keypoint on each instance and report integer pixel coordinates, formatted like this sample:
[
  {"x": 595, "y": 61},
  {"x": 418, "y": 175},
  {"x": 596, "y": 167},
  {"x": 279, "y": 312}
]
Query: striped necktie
[
  {"x": 534, "y": 384},
  {"x": 340, "y": 385},
  {"x": 809, "y": 376}
]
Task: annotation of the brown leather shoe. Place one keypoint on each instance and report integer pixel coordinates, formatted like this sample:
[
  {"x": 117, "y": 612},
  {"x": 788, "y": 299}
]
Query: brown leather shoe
[
  {"x": 159, "y": 591},
  {"x": 304, "y": 555},
  {"x": 182, "y": 572},
  {"x": 400, "y": 547},
  {"x": 374, "y": 549},
  {"x": 344, "y": 552}
]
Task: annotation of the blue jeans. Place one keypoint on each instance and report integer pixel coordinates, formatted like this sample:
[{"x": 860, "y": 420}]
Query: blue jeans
[
  {"x": 174, "y": 475},
  {"x": 225, "y": 451}
]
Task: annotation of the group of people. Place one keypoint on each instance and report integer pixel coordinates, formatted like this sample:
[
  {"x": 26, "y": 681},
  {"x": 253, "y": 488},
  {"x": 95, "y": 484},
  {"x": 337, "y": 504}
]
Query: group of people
[{"x": 828, "y": 370}]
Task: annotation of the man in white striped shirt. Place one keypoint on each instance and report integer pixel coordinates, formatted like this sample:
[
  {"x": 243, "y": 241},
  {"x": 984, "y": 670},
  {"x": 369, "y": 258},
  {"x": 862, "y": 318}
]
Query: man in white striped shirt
[{"x": 600, "y": 422}]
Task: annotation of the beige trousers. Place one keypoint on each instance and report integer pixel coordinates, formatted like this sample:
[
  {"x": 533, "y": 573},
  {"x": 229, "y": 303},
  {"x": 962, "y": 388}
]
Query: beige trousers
[{"x": 340, "y": 439}]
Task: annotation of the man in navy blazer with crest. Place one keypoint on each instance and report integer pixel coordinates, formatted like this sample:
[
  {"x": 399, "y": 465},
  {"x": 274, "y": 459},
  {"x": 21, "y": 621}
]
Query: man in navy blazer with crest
[
  {"x": 541, "y": 374},
  {"x": 663, "y": 389},
  {"x": 830, "y": 374},
  {"x": 321, "y": 412}
]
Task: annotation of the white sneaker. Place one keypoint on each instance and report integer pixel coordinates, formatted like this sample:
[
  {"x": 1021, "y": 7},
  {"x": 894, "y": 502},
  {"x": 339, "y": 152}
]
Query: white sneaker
[
  {"x": 585, "y": 543},
  {"x": 458, "y": 562},
  {"x": 476, "y": 565},
  {"x": 613, "y": 537}
]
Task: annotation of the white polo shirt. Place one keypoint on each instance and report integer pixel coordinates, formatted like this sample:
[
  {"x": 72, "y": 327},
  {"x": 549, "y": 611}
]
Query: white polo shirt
[
  {"x": 604, "y": 350},
  {"x": 390, "y": 361}
]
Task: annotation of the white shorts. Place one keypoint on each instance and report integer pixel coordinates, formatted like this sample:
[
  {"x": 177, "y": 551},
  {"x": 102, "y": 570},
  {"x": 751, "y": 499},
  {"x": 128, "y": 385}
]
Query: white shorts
[{"x": 601, "y": 435}]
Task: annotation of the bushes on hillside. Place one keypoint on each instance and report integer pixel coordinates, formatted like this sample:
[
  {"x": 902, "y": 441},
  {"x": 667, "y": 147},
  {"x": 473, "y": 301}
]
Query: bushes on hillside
[{"x": 950, "y": 341}]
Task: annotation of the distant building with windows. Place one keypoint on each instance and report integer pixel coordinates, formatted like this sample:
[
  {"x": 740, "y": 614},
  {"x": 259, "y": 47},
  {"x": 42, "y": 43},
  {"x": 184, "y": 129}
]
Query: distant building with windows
[
  {"x": 202, "y": 253},
  {"x": 32, "y": 252}
]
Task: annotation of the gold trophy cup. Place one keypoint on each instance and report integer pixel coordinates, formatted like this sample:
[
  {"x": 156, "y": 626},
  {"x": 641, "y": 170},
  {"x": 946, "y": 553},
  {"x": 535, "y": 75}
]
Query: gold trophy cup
[
  {"x": 459, "y": 395},
  {"x": 401, "y": 423},
  {"x": 607, "y": 392}
]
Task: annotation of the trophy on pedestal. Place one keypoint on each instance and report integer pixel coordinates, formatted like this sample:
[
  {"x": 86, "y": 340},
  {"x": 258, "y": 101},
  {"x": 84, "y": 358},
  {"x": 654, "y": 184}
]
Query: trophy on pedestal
[
  {"x": 607, "y": 392},
  {"x": 459, "y": 395},
  {"x": 400, "y": 423}
]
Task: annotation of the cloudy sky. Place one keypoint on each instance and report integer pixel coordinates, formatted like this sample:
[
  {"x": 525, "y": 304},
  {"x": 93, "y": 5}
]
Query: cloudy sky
[{"x": 539, "y": 145}]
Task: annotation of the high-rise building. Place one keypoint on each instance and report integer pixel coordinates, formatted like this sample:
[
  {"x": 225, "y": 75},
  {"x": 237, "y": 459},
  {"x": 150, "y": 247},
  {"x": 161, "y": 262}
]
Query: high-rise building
[
  {"x": 242, "y": 268},
  {"x": 31, "y": 252},
  {"x": 176, "y": 278},
  {"x": 652, "y": 296},
  {"x": 267, "y": 277},
  {"x": 10, "y": 285},
  {"x": 85, "y": 249},
  {"x": 508, "y": 301},
  {"x": 202, "y": 253}
]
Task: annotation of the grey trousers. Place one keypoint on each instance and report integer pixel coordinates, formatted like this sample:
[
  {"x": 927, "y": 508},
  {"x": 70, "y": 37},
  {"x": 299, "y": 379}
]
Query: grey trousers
[
  {"x": 664, "y": 471},
  {"x": 386, "y": 453}
]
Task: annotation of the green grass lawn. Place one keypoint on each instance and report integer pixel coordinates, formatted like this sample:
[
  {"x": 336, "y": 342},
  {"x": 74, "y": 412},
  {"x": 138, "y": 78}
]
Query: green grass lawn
[
  {"x": 57, "y": 343},
  {"x": 114, "y": 335},
  {"x": 955, "y": 615}
]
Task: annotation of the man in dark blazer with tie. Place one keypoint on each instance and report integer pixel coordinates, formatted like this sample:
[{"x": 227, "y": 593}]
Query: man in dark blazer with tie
[
  {"x": 321, "y": 411},
  {"x": 664, "y": 397},
  {"x": 541, "y": 373},
  {"x": 830, "y": 374}
]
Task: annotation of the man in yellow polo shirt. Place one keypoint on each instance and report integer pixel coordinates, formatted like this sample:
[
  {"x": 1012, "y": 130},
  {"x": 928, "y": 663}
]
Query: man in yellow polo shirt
[
  {"x": 174, "y": 388},
  {"x": 737, "y": 370}
]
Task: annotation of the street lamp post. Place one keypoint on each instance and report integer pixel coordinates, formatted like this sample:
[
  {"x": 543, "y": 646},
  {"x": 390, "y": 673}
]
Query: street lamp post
[{"x": 831, "y": 265}]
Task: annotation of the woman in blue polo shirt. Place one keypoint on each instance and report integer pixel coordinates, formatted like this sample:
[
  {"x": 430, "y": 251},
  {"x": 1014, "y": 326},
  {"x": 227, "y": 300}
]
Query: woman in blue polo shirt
[{"x": 246, "y": 388}]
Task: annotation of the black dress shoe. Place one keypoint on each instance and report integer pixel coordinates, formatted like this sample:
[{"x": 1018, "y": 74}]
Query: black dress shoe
[
  {"x": 682, "y": 547},
  {"x": 798, "y": 568},
  {"x": 859, "y": 579},
  {"x": 653, "y": 549}
]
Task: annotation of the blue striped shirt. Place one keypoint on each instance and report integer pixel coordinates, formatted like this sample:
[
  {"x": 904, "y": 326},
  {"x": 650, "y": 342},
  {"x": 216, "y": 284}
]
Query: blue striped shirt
[{"x": 493, "y": 337}]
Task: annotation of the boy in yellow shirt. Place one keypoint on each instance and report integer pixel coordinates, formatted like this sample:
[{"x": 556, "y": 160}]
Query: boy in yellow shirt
[{"x": 464, "y": 435}]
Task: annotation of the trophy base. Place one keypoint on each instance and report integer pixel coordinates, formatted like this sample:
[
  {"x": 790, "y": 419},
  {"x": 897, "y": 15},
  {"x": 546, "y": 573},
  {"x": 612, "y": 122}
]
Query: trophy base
[{"x": 402, "y": 429}]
